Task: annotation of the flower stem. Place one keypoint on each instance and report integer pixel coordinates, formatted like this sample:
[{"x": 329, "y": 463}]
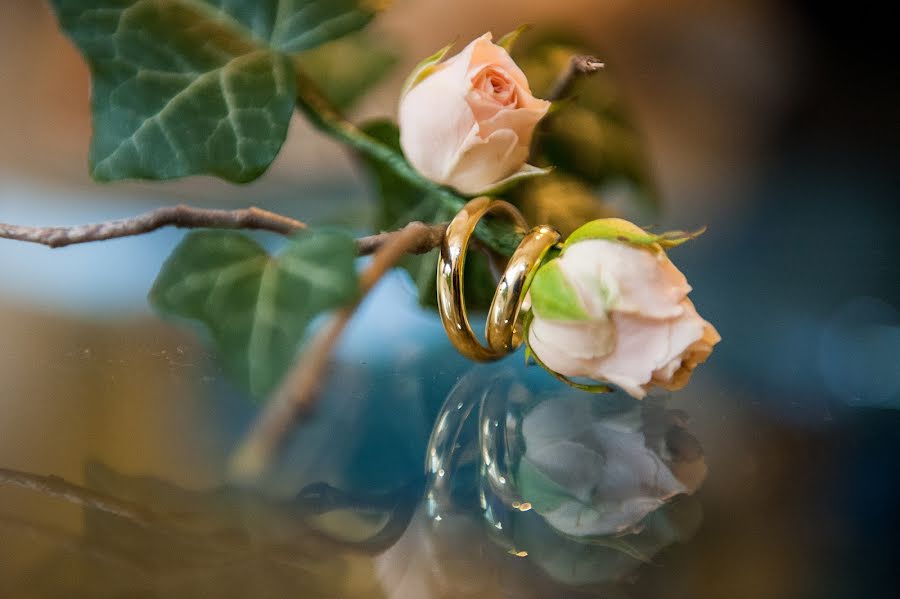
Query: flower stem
[{"x": 496, "y": 234}]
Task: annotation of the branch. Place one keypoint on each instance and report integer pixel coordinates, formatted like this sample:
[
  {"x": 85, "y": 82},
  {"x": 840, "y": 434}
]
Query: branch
[
  {"x": 296, "y": 395},
  {"x": 54, "y": 486},
  {"x": 184, "y": 217},
  {"x": 187, "y": 217},
  {"x": 428, "y": 237},
  {"x": 579, "y": 66},
  {"x": 71, "y": 543}
]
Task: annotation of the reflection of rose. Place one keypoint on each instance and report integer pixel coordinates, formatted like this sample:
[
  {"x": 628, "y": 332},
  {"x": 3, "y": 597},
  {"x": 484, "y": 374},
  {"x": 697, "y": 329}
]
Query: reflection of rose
[
  {"x": 595, "y": 476},
  {"x": 616, "y": 311},
  {"x": 469, "y": 122}
]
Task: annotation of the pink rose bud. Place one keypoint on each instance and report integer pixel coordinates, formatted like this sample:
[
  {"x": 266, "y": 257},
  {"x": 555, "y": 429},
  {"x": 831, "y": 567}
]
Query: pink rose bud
[
  {"x": 612, "y": 307},
  {"x": 467, "y": 122}
]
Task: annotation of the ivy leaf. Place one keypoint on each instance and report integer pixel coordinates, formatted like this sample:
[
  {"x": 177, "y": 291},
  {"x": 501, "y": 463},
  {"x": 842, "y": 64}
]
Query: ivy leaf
[
  {"x": 183, "y": 87},
  {"x": 257, "y": 307}
]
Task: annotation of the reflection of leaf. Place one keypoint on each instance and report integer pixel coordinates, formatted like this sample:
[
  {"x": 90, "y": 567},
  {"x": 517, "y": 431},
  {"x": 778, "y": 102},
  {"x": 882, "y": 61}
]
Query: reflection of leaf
[
  {"x": 346, "y": 68},
  {"x": 257, "y": 307},
  {"x": 591, "y": 137},
  {"x": 183, "y": 87}
]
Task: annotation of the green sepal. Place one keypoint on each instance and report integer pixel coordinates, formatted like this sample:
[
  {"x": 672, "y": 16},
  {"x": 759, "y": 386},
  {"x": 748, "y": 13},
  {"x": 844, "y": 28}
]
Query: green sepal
[
  {"x": 553, "y": 297},
  {"x": 617, "y": 229},
  {"x": 526, "y": 173},
  {"x": 508, "y": 41},
  {"x": 424, "y": 69}
]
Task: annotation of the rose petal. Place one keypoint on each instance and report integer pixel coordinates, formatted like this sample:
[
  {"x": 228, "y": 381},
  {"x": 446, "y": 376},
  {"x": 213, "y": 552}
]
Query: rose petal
[
  {"x": 442, "y": 95},
  {"x": 570, "y": 348},
  {"x": 484, "y": 52},
  {"x": 633, "y": 280},
  {"x": 676, "y": 374},
  {"x": 485, "y": 160},
  {"x": 643, "y": 346},
  {"x": 521, "y": 120}
]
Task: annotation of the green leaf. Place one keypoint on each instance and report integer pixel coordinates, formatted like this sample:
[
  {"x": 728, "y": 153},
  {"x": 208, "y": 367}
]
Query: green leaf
[
  {"x": 346, "y": 68},
  {"x": 183, "y": 87},
  {"x": 256, "y": 307},
  {"x": 616, "y": 229},
  {"x": 552, "y": 296}
]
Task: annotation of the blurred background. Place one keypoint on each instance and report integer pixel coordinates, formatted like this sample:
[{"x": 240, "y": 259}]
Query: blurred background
[{"x": 775, "y": 123}]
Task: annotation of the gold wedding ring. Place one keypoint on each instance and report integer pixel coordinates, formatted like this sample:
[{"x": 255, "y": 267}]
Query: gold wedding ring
[{"x": 502, "y": 331}]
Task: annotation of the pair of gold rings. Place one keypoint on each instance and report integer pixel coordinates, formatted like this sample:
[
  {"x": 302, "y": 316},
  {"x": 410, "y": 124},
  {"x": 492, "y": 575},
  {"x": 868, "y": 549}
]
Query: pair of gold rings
[{"x": 503, "y": 331}]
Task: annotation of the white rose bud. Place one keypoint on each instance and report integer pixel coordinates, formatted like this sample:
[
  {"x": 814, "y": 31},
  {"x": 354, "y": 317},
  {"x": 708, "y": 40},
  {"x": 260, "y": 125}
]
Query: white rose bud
[
  {"x": 612, "y": 307},
  {"x": 467, "y": 122}
]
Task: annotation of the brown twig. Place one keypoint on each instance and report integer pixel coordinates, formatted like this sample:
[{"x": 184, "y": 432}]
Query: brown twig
[
  {"x": 68, "y": 542},
  {"x": 185, "y": 217},
  {"x": 295, "y": 397},
  {"x": 188, "y": 217},
  {"x": 578, "y": 66},
  {"x": 429, "y": 237},
  {"x": 54, "y": 486}
]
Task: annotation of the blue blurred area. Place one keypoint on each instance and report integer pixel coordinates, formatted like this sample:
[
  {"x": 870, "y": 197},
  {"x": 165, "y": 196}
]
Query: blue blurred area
[
  {"x": 93, "y": 279},
  {"x": 805, "y": 285}
]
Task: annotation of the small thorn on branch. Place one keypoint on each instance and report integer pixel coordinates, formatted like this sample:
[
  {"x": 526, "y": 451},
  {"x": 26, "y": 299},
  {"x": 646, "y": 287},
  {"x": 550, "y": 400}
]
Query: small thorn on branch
[{"x": 579, "y": 65}]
